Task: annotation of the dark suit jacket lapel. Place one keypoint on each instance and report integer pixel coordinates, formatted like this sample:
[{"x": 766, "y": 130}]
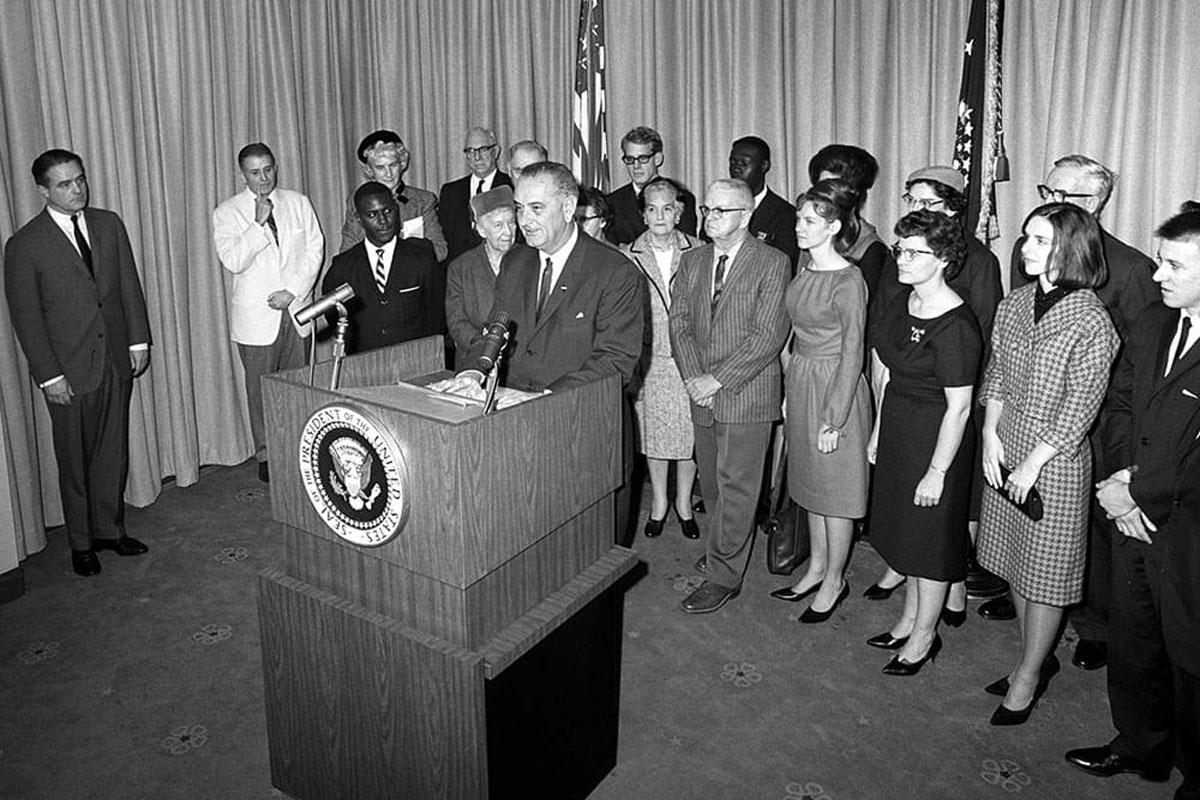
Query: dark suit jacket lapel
[{"x": 1165, "y": 353}]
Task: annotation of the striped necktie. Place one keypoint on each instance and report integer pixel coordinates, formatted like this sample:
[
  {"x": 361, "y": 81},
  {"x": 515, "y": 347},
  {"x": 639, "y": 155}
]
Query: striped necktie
[
  {"x": 719, "y": 280},
  {"x": 380, "y": 271}
]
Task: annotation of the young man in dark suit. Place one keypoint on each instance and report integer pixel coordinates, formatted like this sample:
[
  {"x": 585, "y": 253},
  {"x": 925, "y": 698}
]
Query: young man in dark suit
[
  {"x": 454, "y": 210},
  {"x": 1153, "y": 435},
  {"x": 728, "y": 325},
  {"x": 642, "y": 155},
  {"x": 399, "y": 289},
  {"x": 774, "y": 219},
  {"x": 77, "y": 307}
]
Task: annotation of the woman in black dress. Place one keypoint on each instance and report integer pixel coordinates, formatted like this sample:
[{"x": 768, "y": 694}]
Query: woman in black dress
[{"x": 926, "y": 348}]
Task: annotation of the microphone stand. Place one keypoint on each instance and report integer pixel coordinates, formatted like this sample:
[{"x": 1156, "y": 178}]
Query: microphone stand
[
  {"x": 339, "y": 346},
  {"x": 493, "y": 378}
]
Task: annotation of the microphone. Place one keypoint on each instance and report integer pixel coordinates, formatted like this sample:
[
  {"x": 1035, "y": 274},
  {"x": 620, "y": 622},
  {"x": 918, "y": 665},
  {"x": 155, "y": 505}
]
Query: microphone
[
  {"x": 323, "y": 305},
  {"x": 495, "y": 336}
]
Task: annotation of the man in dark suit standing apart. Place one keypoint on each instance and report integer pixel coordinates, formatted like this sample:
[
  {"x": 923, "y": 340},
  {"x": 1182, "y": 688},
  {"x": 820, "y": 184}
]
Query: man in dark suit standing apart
[
  {"x": 1153, "y": 435},
  {"x": 1128, "y": 291},
  {"x": 642, "y": 155},
  {"x": 454, "y": 211},
  {"x": 398, "y": 285},
  {"x": 774, "y": 219},
  {"x": 78, "y": 310},
  {"x": 728, "y": 325}
]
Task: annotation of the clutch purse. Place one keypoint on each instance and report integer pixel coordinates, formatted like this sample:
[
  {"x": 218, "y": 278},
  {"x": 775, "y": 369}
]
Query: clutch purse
[{"x": 1032, "y": 507}]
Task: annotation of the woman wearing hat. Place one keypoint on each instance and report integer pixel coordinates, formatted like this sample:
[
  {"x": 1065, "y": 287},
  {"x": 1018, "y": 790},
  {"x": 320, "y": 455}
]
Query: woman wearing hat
[{"x": 471, "y": 278}]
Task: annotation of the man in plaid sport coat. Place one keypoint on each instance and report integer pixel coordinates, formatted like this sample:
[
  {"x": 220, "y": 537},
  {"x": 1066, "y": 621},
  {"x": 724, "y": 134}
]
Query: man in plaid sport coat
[{"x": 728, "y": 327}]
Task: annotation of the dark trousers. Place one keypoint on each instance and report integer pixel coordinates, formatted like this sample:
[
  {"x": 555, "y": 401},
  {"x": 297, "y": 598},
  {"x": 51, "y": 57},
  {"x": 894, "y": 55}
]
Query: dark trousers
[
  {"x": 1155, "y": 703},
  {"x": 92, "y": 449},
  {"x": 730, "y": 457},
  {"x": 286, "y": 352}
]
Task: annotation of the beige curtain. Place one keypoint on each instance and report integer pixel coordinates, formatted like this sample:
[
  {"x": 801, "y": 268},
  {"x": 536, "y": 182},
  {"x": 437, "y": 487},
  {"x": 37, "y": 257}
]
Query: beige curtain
[
  {"x": 1112, "y": 80},
  {"x": 883, "y": 75},
  {"x": 158, "y": 95}
]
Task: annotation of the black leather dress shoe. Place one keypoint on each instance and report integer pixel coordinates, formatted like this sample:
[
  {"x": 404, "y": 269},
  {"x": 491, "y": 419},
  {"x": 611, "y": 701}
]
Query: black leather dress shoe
[
  {"x": 953, "y": 618},
  {"x": 698, "y": 506},
  {"x": 264, "y": 472},
  {"x": 877, "y": 592},
  {"x": 125, "y": 546},
  {"x": 701, "y": 564},
  {"x": 906, "y": 669},
  {"x": 654, "y": 527},
  {"x": 1000, "y": 608},
  {"x": 1104, "y": 763},
  {"x": 1090, "y": 654},
  {"x": 708, "y": 598},
  {"x": 84, "y": 562}
]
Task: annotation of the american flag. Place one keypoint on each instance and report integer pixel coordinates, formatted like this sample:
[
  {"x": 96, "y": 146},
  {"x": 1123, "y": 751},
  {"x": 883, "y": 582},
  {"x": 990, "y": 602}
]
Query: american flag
[
  {"x": 589, "y": 142},
  {"x": 979, "y": 134}
]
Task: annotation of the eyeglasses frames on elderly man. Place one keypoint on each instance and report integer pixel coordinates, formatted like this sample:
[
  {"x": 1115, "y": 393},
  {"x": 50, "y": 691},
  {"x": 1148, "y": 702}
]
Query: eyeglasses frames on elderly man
[
  {"x": 476, "y": 152},
  {"x": 716, "y": 211},
  {"x": 1058, "y": 195}
]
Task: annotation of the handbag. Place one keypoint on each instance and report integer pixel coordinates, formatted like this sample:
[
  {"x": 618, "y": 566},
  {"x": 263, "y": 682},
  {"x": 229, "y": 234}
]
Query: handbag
[
  {"x": 787, "y": 539},
  {"x": 1032, "y": 507}
]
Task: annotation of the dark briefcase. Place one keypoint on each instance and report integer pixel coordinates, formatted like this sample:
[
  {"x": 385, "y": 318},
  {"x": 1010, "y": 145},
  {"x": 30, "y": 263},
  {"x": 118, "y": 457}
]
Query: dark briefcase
[{"x": 787, "y": 539}]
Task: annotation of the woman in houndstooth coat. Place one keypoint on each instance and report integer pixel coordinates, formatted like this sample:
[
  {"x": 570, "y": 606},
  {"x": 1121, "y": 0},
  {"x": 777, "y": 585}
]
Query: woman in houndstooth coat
[{"x": 1052, "y": 351}]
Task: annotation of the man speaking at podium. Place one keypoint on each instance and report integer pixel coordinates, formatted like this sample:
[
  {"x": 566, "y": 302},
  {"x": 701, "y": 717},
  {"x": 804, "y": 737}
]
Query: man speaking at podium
[{"x": 576, "y": 306}]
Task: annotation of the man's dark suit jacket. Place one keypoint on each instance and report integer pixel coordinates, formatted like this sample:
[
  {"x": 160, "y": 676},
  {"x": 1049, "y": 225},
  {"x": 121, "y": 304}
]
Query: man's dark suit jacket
[
  {"x": 454, "y": 213},
  {"x": 1153, "y": 422},
  {"x": 1129, "y": 289},
  {"x": 774, "y": 222},
  {"x": 412, "y": 305},
  {"x": 591, "y": 326},
  {"x": 627, "y": 223},
  {"x": 67, "y": 322}
]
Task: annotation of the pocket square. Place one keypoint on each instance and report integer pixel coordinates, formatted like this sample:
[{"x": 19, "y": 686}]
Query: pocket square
[
  {"x": 1188, "y": 393},
  {"x": 579, "y": 315},
  {"x": 409, "y": 289}
]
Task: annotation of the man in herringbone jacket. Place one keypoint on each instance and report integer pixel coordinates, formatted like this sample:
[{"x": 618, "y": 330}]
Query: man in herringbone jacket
[{"x": 728, "y": 327}]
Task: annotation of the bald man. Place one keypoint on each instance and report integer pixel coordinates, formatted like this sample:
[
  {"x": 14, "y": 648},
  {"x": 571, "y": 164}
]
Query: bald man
[{"x": 480, "y": 150}]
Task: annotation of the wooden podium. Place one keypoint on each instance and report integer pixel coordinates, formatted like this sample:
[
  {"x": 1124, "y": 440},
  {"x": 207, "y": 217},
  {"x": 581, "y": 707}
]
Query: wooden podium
[{"x": 477, "y": 653}]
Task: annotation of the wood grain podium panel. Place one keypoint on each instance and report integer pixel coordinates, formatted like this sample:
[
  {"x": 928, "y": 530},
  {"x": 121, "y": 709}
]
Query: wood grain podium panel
[
  {"x": 361, "y": 706},
  {"x": 482, "y": 490},
  {"x": 385, "y": 365},
  {"x": 465, "y": 618}
]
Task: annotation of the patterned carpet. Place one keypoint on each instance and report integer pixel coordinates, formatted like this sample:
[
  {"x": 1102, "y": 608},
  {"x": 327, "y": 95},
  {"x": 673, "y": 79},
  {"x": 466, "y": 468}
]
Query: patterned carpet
[{"x": 145, "y": 682}]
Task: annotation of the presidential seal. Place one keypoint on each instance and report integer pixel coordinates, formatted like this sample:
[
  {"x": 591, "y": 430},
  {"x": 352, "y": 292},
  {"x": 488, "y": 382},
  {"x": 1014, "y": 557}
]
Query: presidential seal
[{"x": 354, "y": 474}]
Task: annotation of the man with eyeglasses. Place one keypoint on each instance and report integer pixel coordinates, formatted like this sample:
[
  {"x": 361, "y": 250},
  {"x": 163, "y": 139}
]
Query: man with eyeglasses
[
  {"x": 642, "y": 155},
  {"x": 385, "y": 159},
  {"x": 728, "y": 325},
  {"x": 454, "y": 209},
  {"x": 1128, "y": 292}
]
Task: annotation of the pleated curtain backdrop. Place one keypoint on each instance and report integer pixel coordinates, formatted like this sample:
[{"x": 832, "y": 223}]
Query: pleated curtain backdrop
[{"x": 158, "y": 96}]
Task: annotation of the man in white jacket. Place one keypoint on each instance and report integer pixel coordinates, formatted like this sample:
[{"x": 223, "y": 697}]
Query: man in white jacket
[{"x": 271, "y": 242}]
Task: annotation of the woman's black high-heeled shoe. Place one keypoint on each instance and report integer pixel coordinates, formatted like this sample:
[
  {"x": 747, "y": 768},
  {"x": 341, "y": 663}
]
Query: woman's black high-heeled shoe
[
  {"x": 690, "y": 529},
  {"x": 654, "y": 527},
  {"x": 1050, "y": 668},
  {"x": 885, "y": 641},
  {"x": 1007, "y": 716},
  {"x": 954, "y": 619},
  {"x": 877, "y": 592},
  {"x": 790, "y": 595},
  {"x": 812, "y": 617},
  {"x": 906, "y": 669}
]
